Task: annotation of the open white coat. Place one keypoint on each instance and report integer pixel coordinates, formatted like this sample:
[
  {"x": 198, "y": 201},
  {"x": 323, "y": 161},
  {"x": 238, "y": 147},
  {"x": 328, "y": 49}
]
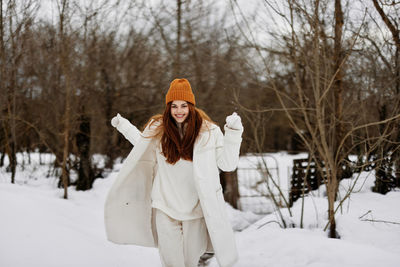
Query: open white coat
[{"x": 128, "y": 212}]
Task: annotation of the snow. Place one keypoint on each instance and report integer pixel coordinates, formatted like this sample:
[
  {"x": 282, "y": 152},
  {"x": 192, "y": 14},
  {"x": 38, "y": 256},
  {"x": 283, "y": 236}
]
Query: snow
[
  {"x": 362, "y": 243},
  {"x": 39, "y": 228}
]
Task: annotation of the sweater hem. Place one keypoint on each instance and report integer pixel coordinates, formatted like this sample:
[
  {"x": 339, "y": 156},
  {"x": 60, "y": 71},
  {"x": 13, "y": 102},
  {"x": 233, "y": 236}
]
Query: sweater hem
[{"x": 176, "y": 215}]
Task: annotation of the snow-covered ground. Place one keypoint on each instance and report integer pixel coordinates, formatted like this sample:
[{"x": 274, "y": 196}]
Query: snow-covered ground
[{"x": 39, "y": 228}]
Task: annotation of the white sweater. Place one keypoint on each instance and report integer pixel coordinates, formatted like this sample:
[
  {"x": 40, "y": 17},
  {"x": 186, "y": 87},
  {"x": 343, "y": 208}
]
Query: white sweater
[{"x": 174, "y": 191}]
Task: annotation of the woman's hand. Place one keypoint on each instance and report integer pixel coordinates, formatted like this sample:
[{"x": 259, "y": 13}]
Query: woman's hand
[
  {"x": 118, "y": 121},
  {"x": 115, "y": 120},
  {"x": 126, "y": 128},
  {"x": 234, "y": 122}
]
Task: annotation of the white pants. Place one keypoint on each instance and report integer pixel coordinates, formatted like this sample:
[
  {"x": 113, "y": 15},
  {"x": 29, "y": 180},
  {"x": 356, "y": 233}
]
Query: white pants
[{"x": 180, "y": 243}]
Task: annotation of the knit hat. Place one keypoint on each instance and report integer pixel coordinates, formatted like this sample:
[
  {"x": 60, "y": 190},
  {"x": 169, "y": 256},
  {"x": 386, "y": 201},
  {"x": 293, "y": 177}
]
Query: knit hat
[{"x": 180, "y": 89}]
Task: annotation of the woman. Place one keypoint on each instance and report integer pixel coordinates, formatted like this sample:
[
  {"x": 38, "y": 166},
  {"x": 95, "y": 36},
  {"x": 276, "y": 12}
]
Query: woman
[{"x": 167, "y": 193}]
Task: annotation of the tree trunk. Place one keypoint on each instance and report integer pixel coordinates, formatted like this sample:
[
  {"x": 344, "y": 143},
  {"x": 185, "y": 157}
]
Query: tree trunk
[
  {"x": 177, "y": 65},
  {"x": 336, "y": 164},
  {"x": 2, "y": 158},
  {"x": 331, "y": 214},
  {"x": 64, "y": 61},
  {"x": 393, "y": 28},
  {"x": 338, "y": 86},
  {"x": 396, "y": 155},
  {"x": 2, "y": 78},
  {"x": 109, "y": 96},
  {"x": 65, "y": 176},
  {"x": 9, "y": 149},
  {"x": 85, "y": 171},
  {"x": 11, "y": 77},
  {"x": 229, "y": 182}
]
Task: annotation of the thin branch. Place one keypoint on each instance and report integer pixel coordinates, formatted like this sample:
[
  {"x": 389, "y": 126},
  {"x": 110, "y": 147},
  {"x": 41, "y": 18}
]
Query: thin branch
[{"x": 380, "y": 221}]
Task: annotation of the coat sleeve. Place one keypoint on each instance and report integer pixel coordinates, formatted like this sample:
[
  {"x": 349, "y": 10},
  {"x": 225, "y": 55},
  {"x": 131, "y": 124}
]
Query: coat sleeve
[
  {"x": 228, "y": 148},
  {"x": 129, "y": 131}
]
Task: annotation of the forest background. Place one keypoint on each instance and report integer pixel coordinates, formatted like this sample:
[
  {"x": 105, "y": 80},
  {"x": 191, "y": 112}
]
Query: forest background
[{"x": 316, "y": 76}]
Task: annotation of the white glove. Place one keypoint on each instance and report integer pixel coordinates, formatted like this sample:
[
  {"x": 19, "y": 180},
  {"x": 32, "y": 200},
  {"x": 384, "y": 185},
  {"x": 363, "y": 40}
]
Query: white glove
[
  {"x": 119, "y": 121},
  {"x": 234, "y": 122},
  {"x": 115, "y": 120}
]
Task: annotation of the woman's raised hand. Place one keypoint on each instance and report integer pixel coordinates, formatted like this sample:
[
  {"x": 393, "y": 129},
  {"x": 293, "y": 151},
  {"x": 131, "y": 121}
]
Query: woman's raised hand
[
  {"x": 115, "y": 120},
  {"x": 125, "y": 127},
  {"x": 234, "y": 122},
  {"x": 118, "y": 121}
]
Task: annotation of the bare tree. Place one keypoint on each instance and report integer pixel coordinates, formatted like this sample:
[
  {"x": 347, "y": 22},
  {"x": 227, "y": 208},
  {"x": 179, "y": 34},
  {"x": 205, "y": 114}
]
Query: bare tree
[
  {"x": 64, "y": 57},
  {"x": 15, "y": 21},
  {"x": 388, "y": 11},
  {"x": 318, "y": 101},
  {"x": 177, "y": 63}
]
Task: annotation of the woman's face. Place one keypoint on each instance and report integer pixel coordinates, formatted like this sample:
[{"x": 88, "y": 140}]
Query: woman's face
[{"x": 179, "y": 110}]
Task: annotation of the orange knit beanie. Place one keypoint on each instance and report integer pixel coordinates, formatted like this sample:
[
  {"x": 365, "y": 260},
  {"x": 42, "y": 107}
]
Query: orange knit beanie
[{"x": 180, "y": 89}]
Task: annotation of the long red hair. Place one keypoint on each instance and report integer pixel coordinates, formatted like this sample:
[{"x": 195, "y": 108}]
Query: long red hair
[{"x": 173, "y": 146}]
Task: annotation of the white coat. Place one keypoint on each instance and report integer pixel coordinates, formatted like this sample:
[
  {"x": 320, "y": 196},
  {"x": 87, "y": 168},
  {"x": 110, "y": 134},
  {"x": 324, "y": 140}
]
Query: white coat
[{"x": 128, "y": 212}]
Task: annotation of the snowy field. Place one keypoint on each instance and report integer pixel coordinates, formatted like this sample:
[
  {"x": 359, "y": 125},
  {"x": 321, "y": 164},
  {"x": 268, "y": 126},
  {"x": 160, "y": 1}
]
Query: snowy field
[{"x": 39, "y": 228}]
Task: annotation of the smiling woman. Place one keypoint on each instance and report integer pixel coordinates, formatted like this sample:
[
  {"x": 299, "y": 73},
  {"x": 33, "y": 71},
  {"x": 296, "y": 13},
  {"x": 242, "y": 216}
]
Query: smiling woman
[
  {"x": 179, "y": 111},
  {"x": 168, "y": 194}
]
